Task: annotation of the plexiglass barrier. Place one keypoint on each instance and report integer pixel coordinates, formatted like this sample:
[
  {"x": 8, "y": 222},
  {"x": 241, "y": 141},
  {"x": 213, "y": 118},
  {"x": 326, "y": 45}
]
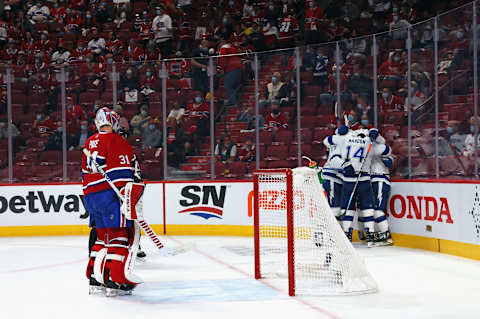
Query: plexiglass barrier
[{"x": 223, "y": 115}]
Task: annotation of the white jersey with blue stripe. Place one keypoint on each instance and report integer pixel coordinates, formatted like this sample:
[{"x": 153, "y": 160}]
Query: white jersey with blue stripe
[{"x": 378, "y": 171}]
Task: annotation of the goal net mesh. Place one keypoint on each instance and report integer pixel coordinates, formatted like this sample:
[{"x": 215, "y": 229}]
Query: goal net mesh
[{"x": 325, "y": 262}]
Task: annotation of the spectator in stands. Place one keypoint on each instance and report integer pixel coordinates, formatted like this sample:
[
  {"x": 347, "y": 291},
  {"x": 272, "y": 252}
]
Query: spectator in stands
[
  {"x": 276, "y": 90},
  {"x": 362, "y": 107},
  {"x": 176, "y": 114},
  {"x": 313, "y": 17},
  {"x": 140, "y": 121},
  {"x": 55, "y": 141},
  {"x": 81, "y": 137},
  {"x": 103, "y": 13},
  {"x": 198, "y": 114},
  {"x": 133, "y": 52},
  {"x": 4, "y": 129},
  {"x": 399, "y": 27},
  {"x": 255, "y": 37},
  {"x": 320, "y": 68},
  {"x": 152, "y": 135},
  {"x": 97, "y": 44},
  {"x": 129, "y": 82},
  {"x": 288, "y": 30},
  {"x": 42, "y": 126},
  {"x": 162, "y": 27},
  {"x": 455, "y": 138},
  {"x": 469, "y": 149},
  {"x": 232, "y": 69},
  {"x": 248, "y": 116},
  {"x": 392, "y": 68},
  {"x": 247, "y": 150},
  {"x": 417, "y": 98},
  {"x": 75, "y": 112},
  {"x": 350, "y": 10},
  {"x": 199, "y": 67},
  {"x": 226, "y": 149},
  {"x": 389, "y": 101},
  {"x": 149, "y": 83},
  {"x": 123, "y": 120},
  {"x": 61, "y": 55},
  {"x": 276, "y": 120},
  {"x": 39, "y": 12},
  {"x": 421, "y": 77}
]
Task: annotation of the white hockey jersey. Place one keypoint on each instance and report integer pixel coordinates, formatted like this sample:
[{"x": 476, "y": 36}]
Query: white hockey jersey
[{"x": 378, "y": 171}]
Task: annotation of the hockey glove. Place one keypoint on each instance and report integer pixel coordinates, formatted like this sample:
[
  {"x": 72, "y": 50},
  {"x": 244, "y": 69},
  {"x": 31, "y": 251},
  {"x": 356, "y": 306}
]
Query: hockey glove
[
  {"x": 90, "y": 159},
  {"x": 373, "y": 134},
  {"x": 313, "y": 164},
  {"x": 342, "y": 130},
  {"x": 348, "y": 169},
  {"x": 387, "y": 162}
]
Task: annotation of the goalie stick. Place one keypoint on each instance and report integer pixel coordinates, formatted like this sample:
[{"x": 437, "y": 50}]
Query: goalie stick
[{"x": 142, "y": 223}]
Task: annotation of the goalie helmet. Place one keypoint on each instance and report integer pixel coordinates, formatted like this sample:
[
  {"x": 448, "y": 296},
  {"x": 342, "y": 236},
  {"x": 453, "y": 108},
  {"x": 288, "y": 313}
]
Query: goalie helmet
[{"x": 106, "y": 116}]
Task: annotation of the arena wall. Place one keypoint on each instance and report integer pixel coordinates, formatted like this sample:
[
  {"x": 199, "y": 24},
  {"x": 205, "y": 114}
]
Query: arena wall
[{"x": 437, "y": 216}]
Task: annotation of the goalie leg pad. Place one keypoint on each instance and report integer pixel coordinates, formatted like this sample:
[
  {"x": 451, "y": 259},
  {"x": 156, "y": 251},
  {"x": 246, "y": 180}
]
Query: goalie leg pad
[
  {"x": 97, "y": 247},
  {"x": 119, "y": 255},
  {"x": 132, "y": 206}
]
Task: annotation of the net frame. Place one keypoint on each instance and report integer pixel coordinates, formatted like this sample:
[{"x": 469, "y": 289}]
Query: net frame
[{"x": 277, "y": 236}]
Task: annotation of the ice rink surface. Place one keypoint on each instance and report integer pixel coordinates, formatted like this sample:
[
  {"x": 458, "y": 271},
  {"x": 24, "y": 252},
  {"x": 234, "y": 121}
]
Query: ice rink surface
[{"x": 45, "y": 278}]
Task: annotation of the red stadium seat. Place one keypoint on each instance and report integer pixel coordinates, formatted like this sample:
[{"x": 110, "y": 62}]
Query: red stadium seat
[
  {"x": 266, "y": 138},
  {"x": 51, "y": 157},
  {"x": 283, "y": 137},
  {"x": 276, "y": 152},
  {"x": 238, "y": 169}
]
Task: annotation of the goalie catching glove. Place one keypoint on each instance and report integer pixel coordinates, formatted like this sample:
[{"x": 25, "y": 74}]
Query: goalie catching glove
[{"x": 132, "y": 206}]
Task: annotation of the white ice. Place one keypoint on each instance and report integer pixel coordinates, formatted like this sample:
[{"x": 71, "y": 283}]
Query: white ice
[{"x": 45, "y": 278}]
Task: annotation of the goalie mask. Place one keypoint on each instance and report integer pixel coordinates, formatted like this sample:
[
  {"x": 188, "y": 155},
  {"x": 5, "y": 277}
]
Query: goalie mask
[{"x": 106, "y": 116}]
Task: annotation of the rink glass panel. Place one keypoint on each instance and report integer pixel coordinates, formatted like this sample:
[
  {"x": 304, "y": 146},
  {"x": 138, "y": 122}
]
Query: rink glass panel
[{"x": 431, "y": 153}]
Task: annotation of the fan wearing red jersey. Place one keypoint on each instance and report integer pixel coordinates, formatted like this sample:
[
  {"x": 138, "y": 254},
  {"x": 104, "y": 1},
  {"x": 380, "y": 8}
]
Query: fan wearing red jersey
[{"x": 107, "y": 266}]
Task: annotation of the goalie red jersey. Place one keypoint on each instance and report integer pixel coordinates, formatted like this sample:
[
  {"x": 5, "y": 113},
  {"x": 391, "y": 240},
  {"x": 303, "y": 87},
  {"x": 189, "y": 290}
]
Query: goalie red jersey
[{"x": 114, "y": 155}]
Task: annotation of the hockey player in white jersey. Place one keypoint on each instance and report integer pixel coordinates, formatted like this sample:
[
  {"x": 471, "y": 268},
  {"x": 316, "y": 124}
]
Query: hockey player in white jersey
[
  {"x": 380, "y": 175},
  {"x": 331, "y": 172},
  {"x": 357, "y": 152}
]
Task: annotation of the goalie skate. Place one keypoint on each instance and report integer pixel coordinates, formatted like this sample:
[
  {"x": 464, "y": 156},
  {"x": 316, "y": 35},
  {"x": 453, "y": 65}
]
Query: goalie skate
[
  {"x": 113, "y": 289},
  {"x": 95, "y": 287}
]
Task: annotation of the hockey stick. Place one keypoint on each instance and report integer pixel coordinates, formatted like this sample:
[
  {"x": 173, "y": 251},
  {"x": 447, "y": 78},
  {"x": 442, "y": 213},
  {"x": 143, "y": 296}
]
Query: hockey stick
[
  {"x": 142, "y": 223},
  {"x": 356, "y": 182}
]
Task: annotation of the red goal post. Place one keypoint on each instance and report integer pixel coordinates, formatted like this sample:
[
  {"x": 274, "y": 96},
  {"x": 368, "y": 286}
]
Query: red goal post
[{"x": 289, "y": 220}]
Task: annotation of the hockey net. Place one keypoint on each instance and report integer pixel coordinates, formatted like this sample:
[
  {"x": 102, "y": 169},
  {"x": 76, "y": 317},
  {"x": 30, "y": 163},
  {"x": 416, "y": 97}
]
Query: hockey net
[{"x": 297, "y": 236}]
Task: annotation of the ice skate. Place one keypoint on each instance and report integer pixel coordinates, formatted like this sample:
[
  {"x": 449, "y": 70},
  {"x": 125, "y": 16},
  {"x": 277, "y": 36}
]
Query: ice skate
[
  {"x": 113, "y": 289},
  {"x": 384, "y": 239},
  {"x": 95, "y": 287},
  {"x": 371, "y": 240}
]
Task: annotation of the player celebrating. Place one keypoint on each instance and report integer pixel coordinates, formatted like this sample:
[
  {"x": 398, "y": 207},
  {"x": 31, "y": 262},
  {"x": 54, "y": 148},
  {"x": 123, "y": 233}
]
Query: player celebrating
[
  {"x": 331, "y": 173},
  {"x": 107, "y": 265},
  {"x": 380, "y": 175},
  {"x": 357, "y": 152}
]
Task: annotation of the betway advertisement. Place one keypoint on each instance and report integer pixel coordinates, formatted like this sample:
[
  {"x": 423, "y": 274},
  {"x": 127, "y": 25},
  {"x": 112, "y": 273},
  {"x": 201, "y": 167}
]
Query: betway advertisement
[
  {"x": 39, "y": 205},
  {"x": 438, "y": 210},
  {"x": 42, "y": 205}
]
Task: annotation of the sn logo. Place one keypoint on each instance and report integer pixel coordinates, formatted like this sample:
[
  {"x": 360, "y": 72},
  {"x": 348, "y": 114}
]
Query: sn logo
[
  {"x": 196, "y": 194},
  {"x": 93, "y": 144}
]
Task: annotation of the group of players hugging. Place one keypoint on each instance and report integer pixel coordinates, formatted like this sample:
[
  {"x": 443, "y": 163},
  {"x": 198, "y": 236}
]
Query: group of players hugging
[{"x": 357, "y": 176}]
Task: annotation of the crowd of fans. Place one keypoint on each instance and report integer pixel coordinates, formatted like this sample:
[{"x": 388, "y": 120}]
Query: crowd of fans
[{"x": 92, "y": 39}]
